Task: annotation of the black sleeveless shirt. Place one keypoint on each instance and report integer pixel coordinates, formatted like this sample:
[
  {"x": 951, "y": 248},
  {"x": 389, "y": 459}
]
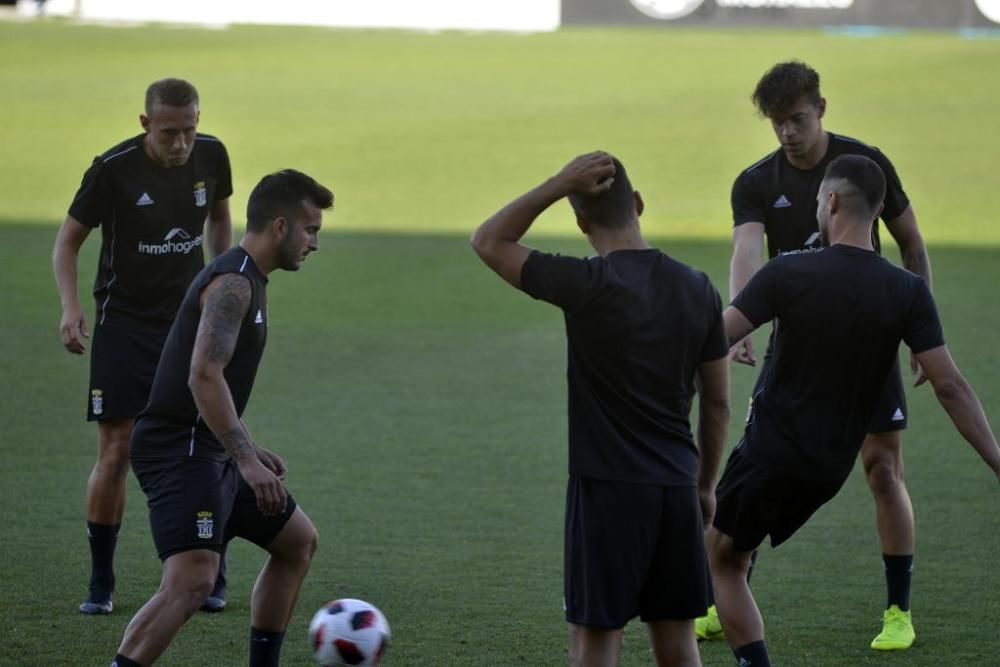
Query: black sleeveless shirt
[{"x": 170, "y": 424}]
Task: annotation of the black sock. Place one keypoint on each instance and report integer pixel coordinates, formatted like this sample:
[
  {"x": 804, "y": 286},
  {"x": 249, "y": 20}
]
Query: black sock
[
  {"x": 102, "y": 538},
  {"x": 752, "y": 655},
  {"x": 898, "y": 570},
  {"x": 265, "y": 647},
  {"x": 122, "y": 661}
]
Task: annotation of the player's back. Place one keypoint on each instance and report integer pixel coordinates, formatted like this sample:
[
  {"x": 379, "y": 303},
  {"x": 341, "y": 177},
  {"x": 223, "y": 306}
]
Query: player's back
[
  {"x": 638, "y": 324},
  {"x": 840, "y": 315}
]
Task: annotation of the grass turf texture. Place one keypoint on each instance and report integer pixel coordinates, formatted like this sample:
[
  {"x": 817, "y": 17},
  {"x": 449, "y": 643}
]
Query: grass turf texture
[{"x": 419, "y": 402}]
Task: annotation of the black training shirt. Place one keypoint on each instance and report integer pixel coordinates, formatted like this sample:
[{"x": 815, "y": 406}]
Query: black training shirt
[
  {"x": 840, "y": 314},
  {"x": 170, "y": 424},
  {"x": 638, "y": 323},
  {"x": 152, "y": 221},
  {"x": 783, "y": 197}
]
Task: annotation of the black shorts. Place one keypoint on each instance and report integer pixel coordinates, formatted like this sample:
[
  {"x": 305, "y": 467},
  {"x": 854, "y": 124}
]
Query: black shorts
[
  {"x": 122, "y": 365},
  {"x": 633, "y": 549},
  {"x": 891, "y": 412},
  {"x": 753, "y": 502},
  {"x": 201, "y": 504}
]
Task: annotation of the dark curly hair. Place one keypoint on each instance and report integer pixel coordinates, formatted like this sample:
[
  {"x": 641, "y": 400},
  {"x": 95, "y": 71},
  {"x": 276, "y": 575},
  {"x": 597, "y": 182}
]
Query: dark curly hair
[{"x": 783, "y": 85}]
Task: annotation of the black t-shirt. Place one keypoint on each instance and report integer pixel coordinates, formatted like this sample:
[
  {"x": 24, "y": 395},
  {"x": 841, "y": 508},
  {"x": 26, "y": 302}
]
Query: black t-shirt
[
  {"x": 840, "y": 314},
  {"x": 783, "y": 197},
  {"x": 170, "y": 424},
  {"x": 638, "y": 323},
  {"x": 152, "y": 221}
]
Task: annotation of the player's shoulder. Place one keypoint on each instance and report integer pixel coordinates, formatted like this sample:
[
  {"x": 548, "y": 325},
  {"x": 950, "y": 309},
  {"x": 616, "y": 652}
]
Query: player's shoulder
[
  {"x": 845, "y": 145},
  {"x": 692, "y": 276},
  {"x": 754, "y": 177},
  {"x": 207, "y": 138},
  {"x": 119, "y": 153},
  {"x": 209, "y": 143},
  {"x": 760, "y": 166}
]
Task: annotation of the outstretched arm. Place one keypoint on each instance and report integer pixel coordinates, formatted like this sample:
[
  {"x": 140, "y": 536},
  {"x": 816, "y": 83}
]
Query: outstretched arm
[
  {"x": 224, "y": 303},
  {"x": 959, "y": 400},
  {"x": 496, "y": 241},
  {"x": 737, "y": 325}
]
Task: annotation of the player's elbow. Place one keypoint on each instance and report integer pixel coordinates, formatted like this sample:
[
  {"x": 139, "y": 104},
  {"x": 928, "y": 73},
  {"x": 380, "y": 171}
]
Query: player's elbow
[
  {"x": 200, "y": 378},
  {"x": 480, "y": 243},
  {"x": 716, "y": 408},
  {"x": 950, "y": 390}
]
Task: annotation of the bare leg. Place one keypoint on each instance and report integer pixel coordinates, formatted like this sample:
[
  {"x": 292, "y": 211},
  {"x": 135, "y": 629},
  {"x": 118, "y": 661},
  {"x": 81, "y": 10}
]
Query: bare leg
[
  {"x": 882, "y": 456},
  {"x": 594, "y": 647},
  {"x": 738, "y": 610},
  {"x": 187, "y": 578},
  {"x": 106, "y": 486},
  {"x": 674, "y": 643},
  {"x": 278, "y": 585}
]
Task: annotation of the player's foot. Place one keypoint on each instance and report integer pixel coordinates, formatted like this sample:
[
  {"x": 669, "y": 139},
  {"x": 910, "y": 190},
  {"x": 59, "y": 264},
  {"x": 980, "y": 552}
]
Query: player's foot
[
  {"x": 213, "y": 603},
  {"x": 897, "y": 631},
  {"x": 97, "y": 603},
  {"x": 216, "y": 601},
  {"x": 709, "y": 626}
]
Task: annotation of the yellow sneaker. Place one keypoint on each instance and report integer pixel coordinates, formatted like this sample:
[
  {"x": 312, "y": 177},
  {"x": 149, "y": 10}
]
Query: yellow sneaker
[
  {"x": 897, "y": 631},
  {"x": 709, "y": 626}
]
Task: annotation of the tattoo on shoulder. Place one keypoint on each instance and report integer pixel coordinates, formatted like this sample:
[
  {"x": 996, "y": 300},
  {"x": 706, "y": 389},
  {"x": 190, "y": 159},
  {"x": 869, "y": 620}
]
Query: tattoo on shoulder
[
  {"x": 222, "y": 314},
  {"x": 238, "y": 444}
]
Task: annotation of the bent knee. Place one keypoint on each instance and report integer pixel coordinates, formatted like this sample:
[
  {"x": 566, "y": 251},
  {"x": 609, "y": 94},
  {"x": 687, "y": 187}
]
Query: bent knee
[
  {"x": 310, "y": 543},
  {"x": 885, "y": 478},
  {"x": 188, "y": 594}
]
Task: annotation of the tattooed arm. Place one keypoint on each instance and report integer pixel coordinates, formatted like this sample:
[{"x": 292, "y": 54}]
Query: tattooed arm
[{"x": 224, "y": 303}]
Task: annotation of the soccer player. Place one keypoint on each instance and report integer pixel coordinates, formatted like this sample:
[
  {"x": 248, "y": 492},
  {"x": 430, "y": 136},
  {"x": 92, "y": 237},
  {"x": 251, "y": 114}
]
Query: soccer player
[
  {"x": 776, "y": 198},
  {"x": 841, "y": 312},
  {"x": 204, "y": 477},
  {"x": 158, "y": 198},
  {"x": 642, "y": 330}
]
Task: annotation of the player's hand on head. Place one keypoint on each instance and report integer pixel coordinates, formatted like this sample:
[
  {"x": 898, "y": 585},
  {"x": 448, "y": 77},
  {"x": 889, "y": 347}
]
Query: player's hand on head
[
  {"x": 73, "y": 329},
  {"x": 589, "y": 174},
  {"x": 742, "y": 352}
]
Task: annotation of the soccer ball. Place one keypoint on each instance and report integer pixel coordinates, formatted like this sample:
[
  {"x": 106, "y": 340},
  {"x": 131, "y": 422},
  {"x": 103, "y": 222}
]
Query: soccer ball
[{"x": 348, "y": 632}]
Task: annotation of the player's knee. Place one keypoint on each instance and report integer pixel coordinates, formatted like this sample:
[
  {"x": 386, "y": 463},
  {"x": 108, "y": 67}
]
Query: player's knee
[
  {"x": 189, "y": 592},
  {"x": 300, "y": 552},
  {"x": 308, "y": 545},
  {"x": 885, "y": 477},
  {"x": 113, "y": 461}
]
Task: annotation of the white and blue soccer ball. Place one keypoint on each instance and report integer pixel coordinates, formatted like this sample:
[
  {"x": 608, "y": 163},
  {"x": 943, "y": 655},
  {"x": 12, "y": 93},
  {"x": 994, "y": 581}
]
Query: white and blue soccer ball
[{"x": 348, "y": 632}]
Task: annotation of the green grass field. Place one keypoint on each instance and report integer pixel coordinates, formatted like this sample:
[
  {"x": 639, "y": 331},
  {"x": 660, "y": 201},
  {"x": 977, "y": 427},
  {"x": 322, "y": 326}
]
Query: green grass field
[{"x": 420, "y": 402}]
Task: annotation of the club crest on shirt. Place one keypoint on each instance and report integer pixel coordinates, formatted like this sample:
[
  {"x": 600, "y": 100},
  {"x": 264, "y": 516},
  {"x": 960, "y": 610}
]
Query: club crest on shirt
[
  {"x": 200, "y": 196},
  {"x": 96, "y": 401},
  {"x": 206, "y": 525}
]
